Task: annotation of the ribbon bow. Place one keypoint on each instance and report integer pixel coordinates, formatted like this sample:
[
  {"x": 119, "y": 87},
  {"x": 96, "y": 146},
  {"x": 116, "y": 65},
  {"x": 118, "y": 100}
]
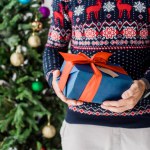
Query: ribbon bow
[{"x": 99, "y": 59}]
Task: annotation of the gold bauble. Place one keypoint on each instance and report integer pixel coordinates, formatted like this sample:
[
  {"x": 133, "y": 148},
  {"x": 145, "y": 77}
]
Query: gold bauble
[
  {"x": 49, "y": 131},
  {"x": 37, "y": 26},
  {"x": 16, "y": 59},
  {"x": 34, "y": 41}
]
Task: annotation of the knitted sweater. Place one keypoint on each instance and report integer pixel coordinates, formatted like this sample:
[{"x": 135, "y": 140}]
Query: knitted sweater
[{"x": 121, "y": 27}]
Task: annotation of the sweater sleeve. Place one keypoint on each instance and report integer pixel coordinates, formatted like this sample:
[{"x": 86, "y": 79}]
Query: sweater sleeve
[
  {"x": 58, "y": 39},
  {"x": 146, "y": 76}
]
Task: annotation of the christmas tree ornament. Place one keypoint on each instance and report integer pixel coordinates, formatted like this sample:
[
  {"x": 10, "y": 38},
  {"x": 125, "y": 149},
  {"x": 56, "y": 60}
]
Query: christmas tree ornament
[
  {"x": 36, "y": 25},
  {"x": 34, "y": 40},
  {"x": 17, "y": 58},
  {"x": 44, "y": 11},
  {"x": 49, "y": 130},
  {"x": 24, "y": 1},
  {"x": 37, "y": 86}
]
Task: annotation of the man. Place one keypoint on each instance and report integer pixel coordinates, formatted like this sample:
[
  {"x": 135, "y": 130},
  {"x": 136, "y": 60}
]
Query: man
[{"x": 119, "y": 27}]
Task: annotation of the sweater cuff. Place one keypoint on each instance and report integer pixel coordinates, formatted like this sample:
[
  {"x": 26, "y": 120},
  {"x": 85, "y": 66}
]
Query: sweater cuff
[
  {"x": 147, "y": 74},
  {"x": 49, "y": 78},
  {"x": 146, "y": 82}
]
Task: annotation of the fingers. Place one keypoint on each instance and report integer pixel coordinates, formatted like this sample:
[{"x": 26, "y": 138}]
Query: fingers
[
  {"x": 130, "y": 98},
  {"x": 115, "y": 109},
  {"x": 131, "y": 91},
  {"x": 142, "y": 85},
  {"x": 118, "y": 106},
  {"x": 56, "y": 88},
  {"x": 121, "y": 105},
  {"x": 56, "y": 73},
  {"x": 59, "y": 93},
  {"x": 74, "y": 102},
  {"x": 118, "y": 103},
  {"x": 63, "y": 98}
]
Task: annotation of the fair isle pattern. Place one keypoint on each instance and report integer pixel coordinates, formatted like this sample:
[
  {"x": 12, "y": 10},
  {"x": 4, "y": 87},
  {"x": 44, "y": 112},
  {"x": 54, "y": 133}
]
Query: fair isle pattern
[
  {"x": 109, "y": 47},
  {"x": 101, "y": 112},
  {"x": 94, "y": 109},
  {"x": 110, "y": 33},
  {"x": 100, "y": 32},
  {"x": 58, "y": 37}
]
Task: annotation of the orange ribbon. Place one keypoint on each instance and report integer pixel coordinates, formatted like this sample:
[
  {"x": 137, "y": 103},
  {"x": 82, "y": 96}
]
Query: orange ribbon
[{"x": 100, "y": 59}]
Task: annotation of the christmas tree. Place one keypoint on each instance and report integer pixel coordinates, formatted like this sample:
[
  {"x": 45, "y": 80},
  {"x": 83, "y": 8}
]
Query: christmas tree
[{"x": 30, "y": 112}]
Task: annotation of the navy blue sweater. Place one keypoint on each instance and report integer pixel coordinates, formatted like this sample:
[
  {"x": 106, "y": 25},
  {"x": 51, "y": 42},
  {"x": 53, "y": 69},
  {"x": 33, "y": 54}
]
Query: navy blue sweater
[{"x": 121, "y": 27}]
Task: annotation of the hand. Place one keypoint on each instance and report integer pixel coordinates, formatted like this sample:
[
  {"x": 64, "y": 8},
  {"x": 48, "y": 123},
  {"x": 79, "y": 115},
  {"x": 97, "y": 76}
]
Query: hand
[
  {"x": 58, "y": 92},
  {"x": 129, "y": 98}
]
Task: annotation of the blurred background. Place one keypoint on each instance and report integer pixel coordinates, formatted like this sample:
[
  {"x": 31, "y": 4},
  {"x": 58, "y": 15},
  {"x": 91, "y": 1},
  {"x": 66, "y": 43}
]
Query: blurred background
[{"x": 30, "y": 113}]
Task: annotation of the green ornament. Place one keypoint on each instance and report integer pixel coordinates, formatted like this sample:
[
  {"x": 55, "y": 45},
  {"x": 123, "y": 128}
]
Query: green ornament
[{"x": 37, "y": 86}]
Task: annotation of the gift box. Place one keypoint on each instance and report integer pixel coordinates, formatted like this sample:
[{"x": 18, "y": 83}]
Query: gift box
[{"x": 92, "y": 79}]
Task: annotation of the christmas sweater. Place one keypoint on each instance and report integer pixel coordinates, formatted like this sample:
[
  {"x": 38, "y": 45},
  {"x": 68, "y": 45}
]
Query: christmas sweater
[{"x": 121, "y": 27}]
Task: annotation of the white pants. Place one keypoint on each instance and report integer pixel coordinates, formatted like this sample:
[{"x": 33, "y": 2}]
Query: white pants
[{"x": 93, "y": 137}]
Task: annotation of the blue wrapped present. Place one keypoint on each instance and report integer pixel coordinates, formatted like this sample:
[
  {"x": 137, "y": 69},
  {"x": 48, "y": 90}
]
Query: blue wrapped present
[{"x": 92, "y": 79}]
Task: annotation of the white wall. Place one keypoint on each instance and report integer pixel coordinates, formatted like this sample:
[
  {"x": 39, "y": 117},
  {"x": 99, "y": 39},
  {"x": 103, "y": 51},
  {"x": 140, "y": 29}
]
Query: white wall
[{"x": 48, "y": 3}]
